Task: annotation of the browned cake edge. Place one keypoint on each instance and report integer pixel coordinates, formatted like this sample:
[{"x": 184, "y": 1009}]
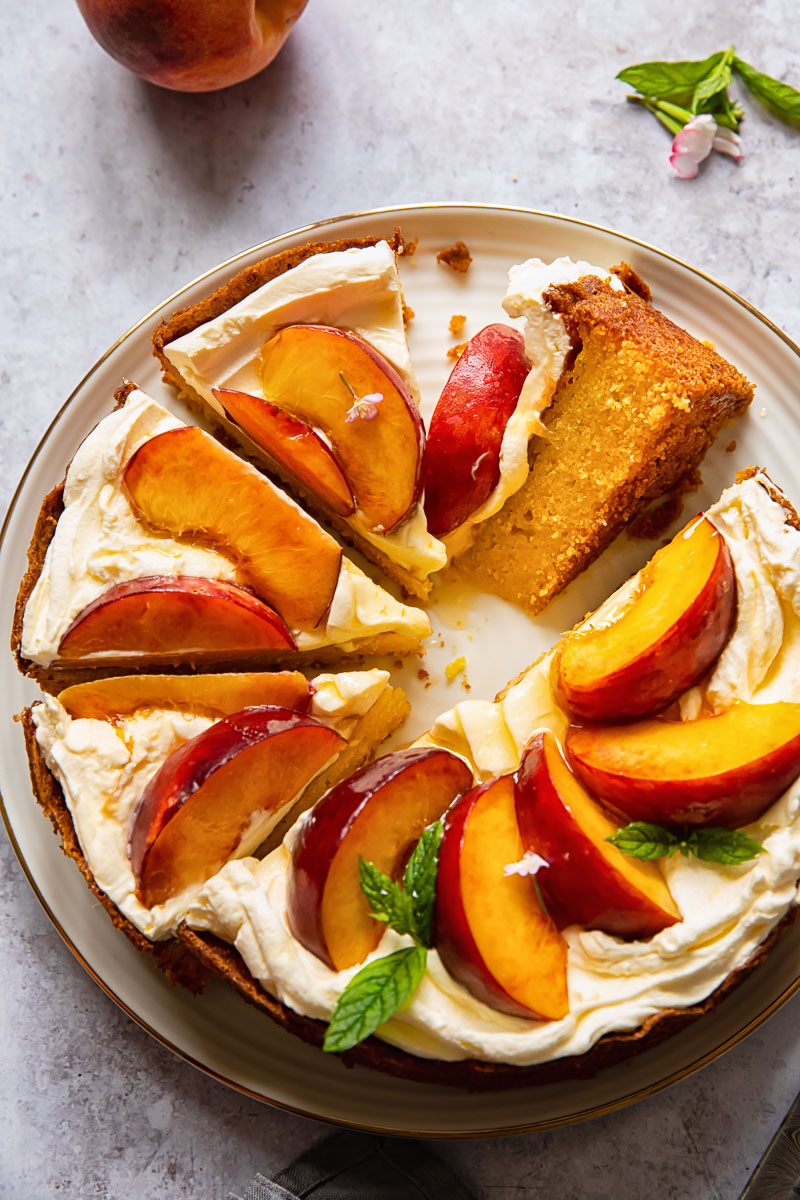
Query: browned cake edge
[
  {"x": 56, "y": 677},
  {"x": 242, "y": 285},
  {"x": 471, "y": 1074}
]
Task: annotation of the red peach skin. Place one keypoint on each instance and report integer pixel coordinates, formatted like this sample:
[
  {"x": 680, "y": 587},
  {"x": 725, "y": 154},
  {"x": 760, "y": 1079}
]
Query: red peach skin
[
  {"x": 722, "y": 770},
  {"x": 192, "y": 814},
  {"x": 461, "y": 467},
  {"x": 591, "y": 881},
  {"x": 665, "y": 641},
  {"x": 379, "y": 813},
  {"x": 492, "y": 934}
]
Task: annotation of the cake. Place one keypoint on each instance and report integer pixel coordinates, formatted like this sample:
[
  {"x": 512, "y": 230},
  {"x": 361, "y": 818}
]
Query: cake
[
  {"x": 134, "y": 563},
  {"x": 714, "y": 615},
  {"x": 542, "y": 447}
]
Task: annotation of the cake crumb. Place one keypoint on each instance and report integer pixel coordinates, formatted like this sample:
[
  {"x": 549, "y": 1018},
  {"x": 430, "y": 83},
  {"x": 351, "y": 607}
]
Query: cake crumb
[
  {"x": 466, "y": 685},
  {"x": 409, "y": 249},
  {"x": 457, "y": 323},
  {"x": 398, "y": 662},
  {"x": 731, "y": 446},
  {"x": 408, "y": 312},
  {"x": 457, "y": 257},
  {"x": 457, "y": 351},
  {"x": 454, "y": 668},
  {"x": 422, "y": 674}
]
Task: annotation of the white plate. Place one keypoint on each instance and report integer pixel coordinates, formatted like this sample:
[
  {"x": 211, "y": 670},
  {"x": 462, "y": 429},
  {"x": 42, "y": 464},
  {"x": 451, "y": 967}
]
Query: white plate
[{"x": 220, "y": 1033}]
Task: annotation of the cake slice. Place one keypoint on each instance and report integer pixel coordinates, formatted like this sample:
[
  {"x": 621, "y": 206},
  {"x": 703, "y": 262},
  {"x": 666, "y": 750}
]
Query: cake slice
[
  {"x": 98, "y": 747},
  {"x": 657, "y": 944},
  {"x": 164, "y": 547},
  {"x": 619, "y": 407},
  {"x": 303, "y": 358}
]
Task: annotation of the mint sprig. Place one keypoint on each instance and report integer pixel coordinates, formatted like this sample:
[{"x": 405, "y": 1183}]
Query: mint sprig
[
  {"x": 383, "y": 986},
  {"x": 643, "y": 840}
]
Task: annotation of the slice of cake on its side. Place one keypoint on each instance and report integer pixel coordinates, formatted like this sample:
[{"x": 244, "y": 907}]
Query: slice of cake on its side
[
  {"x": 270, "y": 744},
  {"x": 163, "y": 547},
  {"x": 620, "y": 405},
  {"x": 303, "y": 359},
  {"x": 699, "y": 645}
]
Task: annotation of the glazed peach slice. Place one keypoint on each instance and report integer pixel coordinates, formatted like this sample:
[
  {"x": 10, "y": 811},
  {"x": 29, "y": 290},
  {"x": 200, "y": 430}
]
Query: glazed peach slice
[
  {"x": 461, "y": 467},
  {"x": 210, "y": 793},
  {"x": 217, "y": 695},
  {"x": 591, "y": 881},
  {"x": 492, "y": 933},
  {"x": 293, "y": 445},
  {"x": 721, "y": 770},
  {"x": 185, "y": 483},
  {"x": 320, "y": 374},
  {"x": 668, "y": 636},
  {"x": 379, "y": 813},
  {"x": 174, "y": 615}
]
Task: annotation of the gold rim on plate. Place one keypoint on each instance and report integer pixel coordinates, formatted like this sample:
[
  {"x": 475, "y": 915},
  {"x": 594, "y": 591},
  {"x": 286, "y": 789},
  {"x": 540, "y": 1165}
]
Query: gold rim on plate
[{"x": 604, "y": 1108}]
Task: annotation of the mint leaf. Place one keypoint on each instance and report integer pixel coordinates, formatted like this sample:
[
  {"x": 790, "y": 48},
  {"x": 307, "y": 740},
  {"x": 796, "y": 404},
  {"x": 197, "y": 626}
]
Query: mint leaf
[
  {"x": 715, "y": 81},
  {"x": 726, "y": 846},
  {"x": 420, "y": 881},
  {"x": 387, "y": 901},
  {"x": 779, "y": 98},
  {"x": 374, "y": 995},
  {"x": 677, "y": 81},
  {"x": 643, "y": 840}
]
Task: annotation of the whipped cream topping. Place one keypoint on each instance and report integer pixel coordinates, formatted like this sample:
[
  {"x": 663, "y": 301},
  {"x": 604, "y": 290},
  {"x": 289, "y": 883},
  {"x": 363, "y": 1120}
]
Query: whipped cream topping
[
  {"x": 357, "y": 290},
  {"x": 614, "y": 985},
  {"x": 103, "y": 767},
  {"x": 546, "y": 345},
  {"x": 98, "y": 542}
]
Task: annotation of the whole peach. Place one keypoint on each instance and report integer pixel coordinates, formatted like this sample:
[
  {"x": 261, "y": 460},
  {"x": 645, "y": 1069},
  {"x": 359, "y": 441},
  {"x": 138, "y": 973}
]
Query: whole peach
[{"x": 192, "y": 45}]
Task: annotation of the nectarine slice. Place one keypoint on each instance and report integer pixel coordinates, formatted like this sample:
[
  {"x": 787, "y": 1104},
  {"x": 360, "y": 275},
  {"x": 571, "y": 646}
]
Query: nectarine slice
[
  {"x": 379, "y": 813},
  {"x": 185, "y": 483},
  {"x": 217, "y": 695},
  {"x": 721, "y": 770},
  {"x": 591, "y": 881},
  {"x": 492, "y": 933},
  {"x": 318, "y": 373},
  {"x": 461, "y": 466},
  {"x": 293, "y": 445},
  {"x": 192, "y": 815},
  {"x": 174, "y": 614},
  {"x": 666, "y": 639}
]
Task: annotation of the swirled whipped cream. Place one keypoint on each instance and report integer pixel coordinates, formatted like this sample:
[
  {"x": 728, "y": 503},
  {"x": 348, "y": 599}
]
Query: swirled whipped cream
[
  {"x": 546, "y": 345},
  {"x": 614, "y": 985},
  {"x": 98, "y": 542},
  {"x": 103, "y": 767},
  {"x": 357, "y": 290}
]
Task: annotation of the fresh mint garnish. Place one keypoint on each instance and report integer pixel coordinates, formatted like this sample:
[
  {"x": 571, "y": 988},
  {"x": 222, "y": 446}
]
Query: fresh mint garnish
[
  {"x": 646, "y": 841},
  {"x": 383, "y": 986},
  {"x": 374, "y": 995}
]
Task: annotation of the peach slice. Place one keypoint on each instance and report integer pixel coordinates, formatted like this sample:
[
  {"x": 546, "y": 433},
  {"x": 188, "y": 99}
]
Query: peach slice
[
  {"x": 589, "y": 879},
  {"x": 293, "y": 445},
  {"x": 721, "y": 770},
  {"x": 218, "y": 695},
  {"x": 492, "y": 933},
  {"x": 461, "y": 467},
  {"x": 666, "y": 639},
  {"x": 185, "y": 483},
  {"x": 192, "y": 815},
  {"x": 379, "y": 813},
  {"x": 174, "y": 614},
  {"x": 316, "y": 372}
]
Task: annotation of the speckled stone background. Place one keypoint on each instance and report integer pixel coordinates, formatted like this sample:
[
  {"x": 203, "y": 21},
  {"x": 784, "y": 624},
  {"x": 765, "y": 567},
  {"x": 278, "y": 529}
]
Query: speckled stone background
[{"x": 114, "y": 193}]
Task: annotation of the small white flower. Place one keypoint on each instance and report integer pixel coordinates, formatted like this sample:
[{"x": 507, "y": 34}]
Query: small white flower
[
  {"x": 364, "y": 408},
  {"x": 529, "y": 864},
  {"x": 697, "y": 139}
]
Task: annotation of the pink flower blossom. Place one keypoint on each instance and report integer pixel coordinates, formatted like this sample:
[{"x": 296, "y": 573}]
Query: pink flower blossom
[
  {"x": 364, "y": 408},
  {"x": 695, "y": 142}
]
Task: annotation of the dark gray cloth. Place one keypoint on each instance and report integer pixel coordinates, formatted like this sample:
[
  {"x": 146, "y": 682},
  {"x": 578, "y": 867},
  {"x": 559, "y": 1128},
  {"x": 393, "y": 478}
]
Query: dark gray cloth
[{"x": 357, "y": 1166}]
